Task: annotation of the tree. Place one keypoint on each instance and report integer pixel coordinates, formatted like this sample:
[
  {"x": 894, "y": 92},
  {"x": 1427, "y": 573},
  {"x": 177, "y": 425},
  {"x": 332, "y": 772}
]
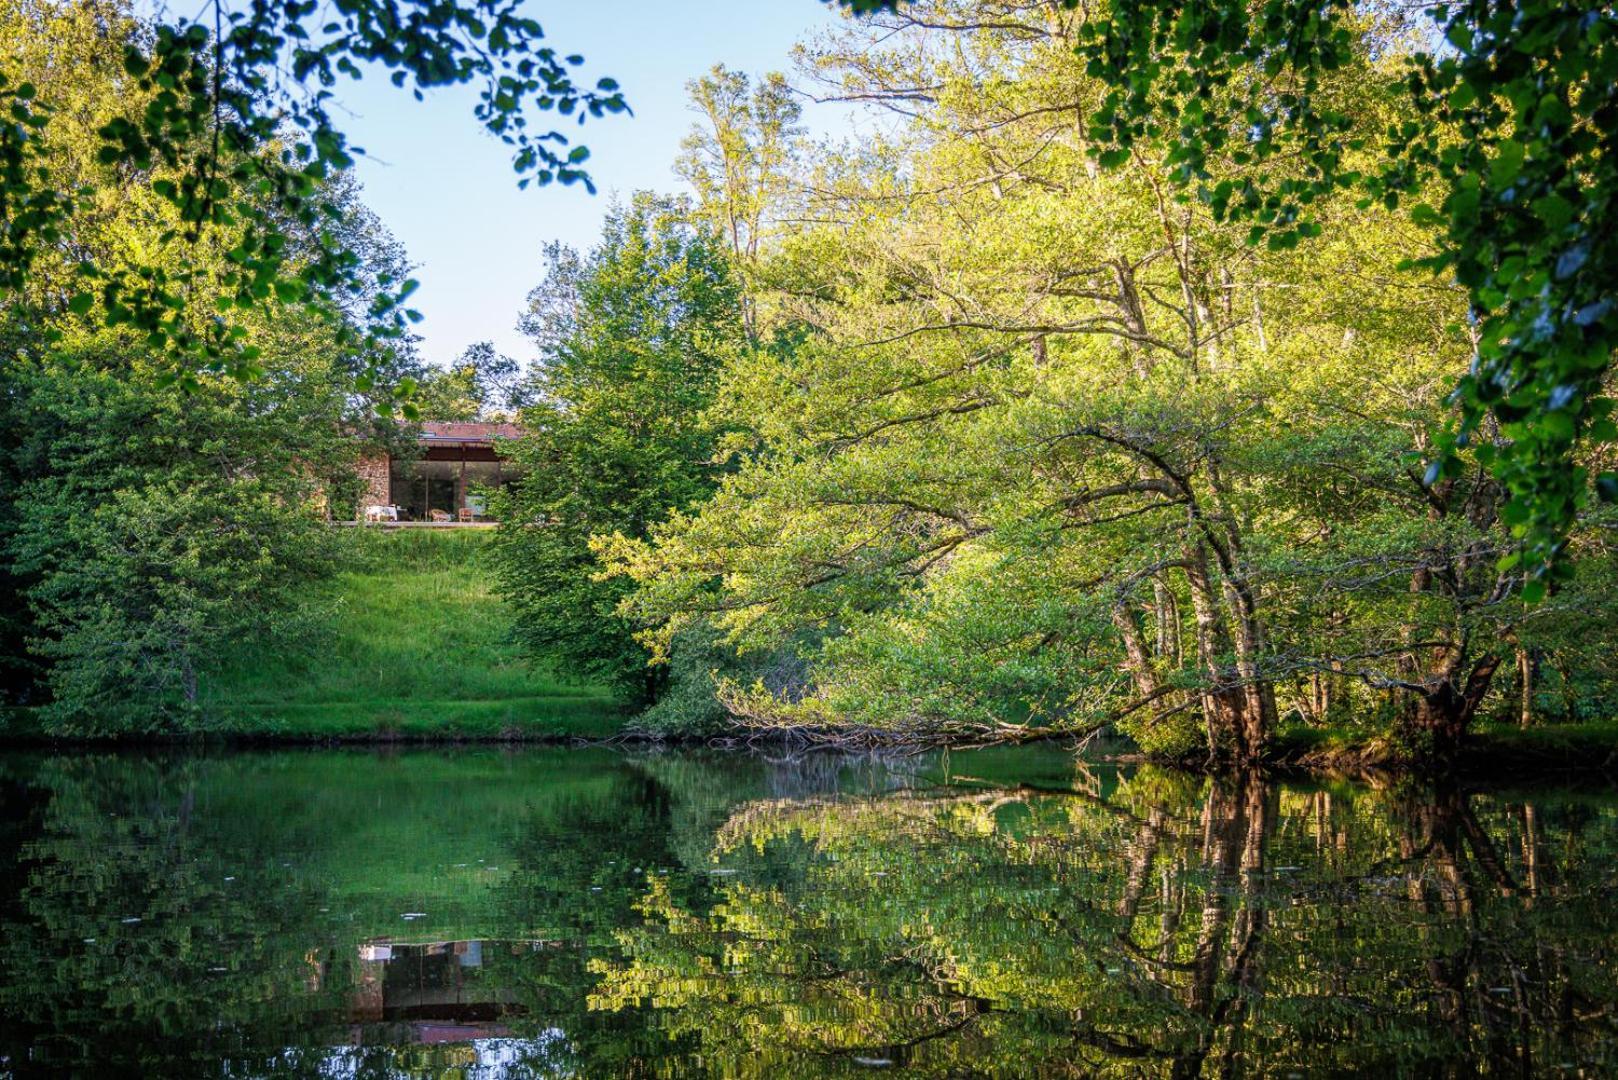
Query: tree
[
  {"x": 482, "y": 384},
  {"x": 225, "y": 118},
  {"x": 618, "y": 434},
  {"x": 1054, "y": 449},
  {"x": 1509, "y": 131},
  {"x": 147, "y": 522},
  {"x": 737, "y": 160},
  {"x": 149, "y": 528},
  {"x": 551, "y": 315}
]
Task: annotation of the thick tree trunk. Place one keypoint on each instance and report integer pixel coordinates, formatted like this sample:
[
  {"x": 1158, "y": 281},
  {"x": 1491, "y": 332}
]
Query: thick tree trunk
[
  {"x": 1443, "y": 709},
  {"x": 1223, "y": 538},
  {"x": 1258, "y": 707},
  {"x": 1218, "y": 708}
]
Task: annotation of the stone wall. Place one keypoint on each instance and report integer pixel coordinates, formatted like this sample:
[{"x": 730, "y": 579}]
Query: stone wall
[{"x": 373, "y": 473}]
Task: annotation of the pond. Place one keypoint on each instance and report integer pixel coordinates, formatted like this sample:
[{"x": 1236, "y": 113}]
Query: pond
[{"x": 568, "y": 912}]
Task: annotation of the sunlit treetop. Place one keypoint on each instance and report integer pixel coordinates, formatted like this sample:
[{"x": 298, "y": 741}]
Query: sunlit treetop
[{"x": 1510, "y": 152}]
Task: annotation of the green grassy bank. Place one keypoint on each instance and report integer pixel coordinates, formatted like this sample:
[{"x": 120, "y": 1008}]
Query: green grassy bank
[{"x": 412, "y": 644}]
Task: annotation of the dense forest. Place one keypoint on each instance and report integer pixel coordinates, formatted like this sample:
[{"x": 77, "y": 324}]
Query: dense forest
[{"x": 968, "y": 425}]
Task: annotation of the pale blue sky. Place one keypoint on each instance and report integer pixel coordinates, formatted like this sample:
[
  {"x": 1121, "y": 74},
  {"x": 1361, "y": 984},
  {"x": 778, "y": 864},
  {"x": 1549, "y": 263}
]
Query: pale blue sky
[{"x": 446, "y": 189}]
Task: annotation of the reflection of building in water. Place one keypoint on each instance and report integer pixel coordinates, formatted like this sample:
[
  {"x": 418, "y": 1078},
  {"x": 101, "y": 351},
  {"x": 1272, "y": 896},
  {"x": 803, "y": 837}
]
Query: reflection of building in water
[
  {"x": 427, "y": 992},
  {"x": 433, "y": 1008},
  {"x": 436, "y": 981}
]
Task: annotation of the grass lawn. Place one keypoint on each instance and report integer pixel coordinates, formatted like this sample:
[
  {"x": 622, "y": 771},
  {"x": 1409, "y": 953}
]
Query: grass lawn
[{"x": 415, "y": 646}]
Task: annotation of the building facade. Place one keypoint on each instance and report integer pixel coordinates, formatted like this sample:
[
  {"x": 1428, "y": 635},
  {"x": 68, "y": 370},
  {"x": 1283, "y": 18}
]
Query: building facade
[{"x": 449, "y": 479}]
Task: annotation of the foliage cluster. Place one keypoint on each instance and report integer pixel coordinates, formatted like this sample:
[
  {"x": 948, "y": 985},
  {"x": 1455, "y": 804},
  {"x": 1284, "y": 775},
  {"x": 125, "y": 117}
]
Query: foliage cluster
[
  {"x": 149, "y": 528},
  {"x": 147, "y": 523},
  {"x": 1503, "y": 143},
  {"x": 632, "y": 337},
  {"x": 1053, "y": 447},
  {"x": 224, "y": 118}
]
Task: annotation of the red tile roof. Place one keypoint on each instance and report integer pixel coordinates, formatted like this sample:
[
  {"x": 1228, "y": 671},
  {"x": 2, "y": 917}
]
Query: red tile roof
[{"x": 456, "y": 431}]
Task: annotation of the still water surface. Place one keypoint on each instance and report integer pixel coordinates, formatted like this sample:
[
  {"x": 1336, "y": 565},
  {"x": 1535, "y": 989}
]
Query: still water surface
[{"x": 485, "y": 913}]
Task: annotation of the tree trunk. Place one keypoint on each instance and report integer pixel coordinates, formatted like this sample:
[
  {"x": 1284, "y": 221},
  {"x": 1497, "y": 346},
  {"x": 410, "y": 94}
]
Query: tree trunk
[
  {"x": 1527, "y": 662},
  {"x": 1217, "y": 712},
  {"x": 1237, "y": 704},
  {"x": 1162, "y": 605},
  {"x": 1136, "y": 660},
  {"x": 1258, "y": 708},
  {"x": 1223, "y": 538},
  {"x": 1442, "y": 711}
]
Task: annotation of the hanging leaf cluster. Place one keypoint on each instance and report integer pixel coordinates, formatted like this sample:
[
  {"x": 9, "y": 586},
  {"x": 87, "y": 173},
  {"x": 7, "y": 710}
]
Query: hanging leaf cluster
[{"x": 234, "y": 128}]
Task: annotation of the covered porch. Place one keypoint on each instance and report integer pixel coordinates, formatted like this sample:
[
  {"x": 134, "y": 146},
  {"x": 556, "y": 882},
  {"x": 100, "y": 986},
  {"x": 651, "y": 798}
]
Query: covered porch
[
  {"x": 449, "y": 482},
  {"x": 448, "y": 485}
]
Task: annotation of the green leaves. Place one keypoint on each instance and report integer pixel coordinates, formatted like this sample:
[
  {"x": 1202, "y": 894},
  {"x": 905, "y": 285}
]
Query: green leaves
[
  {"x": 1507, "y": 163},
  {"x": 207, "y": 126},
  {"x": 1553, "y": 210},
  {"x": 632, "y": 338},
  {"x": 1521, "y": 97},
  {"x": 173, "y": 523}
]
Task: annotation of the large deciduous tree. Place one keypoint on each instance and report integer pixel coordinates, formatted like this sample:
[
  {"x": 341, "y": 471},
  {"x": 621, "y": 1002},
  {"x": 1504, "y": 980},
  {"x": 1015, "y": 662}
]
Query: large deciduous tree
[
  {"x": 1504, "y": 142},
  {"x": 632, "y": 337}
]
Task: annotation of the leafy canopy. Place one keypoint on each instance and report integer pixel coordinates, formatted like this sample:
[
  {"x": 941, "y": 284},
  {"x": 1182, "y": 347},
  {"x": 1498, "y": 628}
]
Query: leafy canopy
[
  {"x": 230, "y": 120},
  {"x": 632, "y": 337},
  {"x": 1509, "y": 148}
]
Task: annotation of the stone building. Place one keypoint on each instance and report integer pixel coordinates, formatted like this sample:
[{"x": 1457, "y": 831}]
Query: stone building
[{"x": 456, "y": 467}]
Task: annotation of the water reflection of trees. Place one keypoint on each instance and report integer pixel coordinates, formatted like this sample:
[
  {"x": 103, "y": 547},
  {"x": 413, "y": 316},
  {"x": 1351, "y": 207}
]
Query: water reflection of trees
[
  {"x": 1175, "y": 928},
  {"x": 779, "y": 925},
  {"x": 179, "y": 916}
]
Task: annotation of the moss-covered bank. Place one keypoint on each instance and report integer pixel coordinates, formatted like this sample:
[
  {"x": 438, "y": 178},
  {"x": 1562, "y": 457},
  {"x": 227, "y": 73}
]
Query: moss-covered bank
[{"x": 1494, "y": 750}]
